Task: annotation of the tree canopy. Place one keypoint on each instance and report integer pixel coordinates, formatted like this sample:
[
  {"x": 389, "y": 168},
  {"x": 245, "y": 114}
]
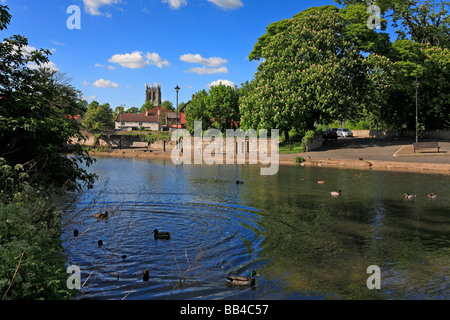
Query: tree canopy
[
  {"x": 324, "y": 64},
  {"x": 218, "y": 107},
  {"x": 37, "y": 111},
  {"x": 98, "y": 117}
]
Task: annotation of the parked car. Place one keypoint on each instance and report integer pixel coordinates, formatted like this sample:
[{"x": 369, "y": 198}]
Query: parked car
[
  {"x": 329, "y": 134},
  {"x": 344, "y": 132}
]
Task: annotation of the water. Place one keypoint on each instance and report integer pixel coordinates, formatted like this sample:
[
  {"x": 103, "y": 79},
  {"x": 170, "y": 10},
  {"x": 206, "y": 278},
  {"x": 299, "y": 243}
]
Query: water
[{"x": 303, "y": 243}]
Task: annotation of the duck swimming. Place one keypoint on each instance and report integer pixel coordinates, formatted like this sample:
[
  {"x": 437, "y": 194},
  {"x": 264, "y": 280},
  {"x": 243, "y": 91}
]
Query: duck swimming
[
  {"x": 432, "y": 195},
  {"x": 161, "y": 235},
  {"x": 146, "y": 275},
  {"x": 335, "y": 193},
  {"x": 320, "y": 182},
  {"x": 102, "y": 216},
  {"x": 409, "y": 196},
  {"x": 241, "y": 280}
]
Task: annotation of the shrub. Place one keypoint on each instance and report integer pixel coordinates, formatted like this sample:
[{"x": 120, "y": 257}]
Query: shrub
[
  {"x": 32, "y": 263},
  {"x": 299, "y": 160}
]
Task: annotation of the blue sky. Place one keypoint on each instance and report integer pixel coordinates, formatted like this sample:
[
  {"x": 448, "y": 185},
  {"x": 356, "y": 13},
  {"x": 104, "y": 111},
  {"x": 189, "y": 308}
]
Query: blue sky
[{"x": 124, "y": 44}]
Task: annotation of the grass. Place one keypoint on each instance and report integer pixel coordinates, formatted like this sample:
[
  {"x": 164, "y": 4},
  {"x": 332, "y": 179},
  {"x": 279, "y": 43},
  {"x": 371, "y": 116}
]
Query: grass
[{"x": 292, "y": 147}]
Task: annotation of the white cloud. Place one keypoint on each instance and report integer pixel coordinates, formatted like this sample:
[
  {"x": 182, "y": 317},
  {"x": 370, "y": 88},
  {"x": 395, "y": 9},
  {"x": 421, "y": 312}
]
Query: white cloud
[
  {"x": 111, "y": 67},
  {"x": 85, "y": 83},
  {"x": 58, "y": 43},
  {"x": 98, "y": 65},
  {"x": 155, "y": 59},
  {"x": 133, "y": 60},
  {"x": 227, "y": 4},
  {"x": 89, "y": 98},
  {"x": 48, "y": 65},
  {"x": 224, "y": 82},
  {"x": 91, "y": 6},
  {"x": 136, "y": 60},
  {"x": 197, "y": 58},
  {"x": 206, "y": 70},
  {"x": 175, "y": 4},
  {"x": 102, "y": 83}
]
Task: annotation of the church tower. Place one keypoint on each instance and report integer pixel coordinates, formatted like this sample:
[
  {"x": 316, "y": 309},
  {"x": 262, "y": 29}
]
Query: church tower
[{"x": 153, "y": 94}]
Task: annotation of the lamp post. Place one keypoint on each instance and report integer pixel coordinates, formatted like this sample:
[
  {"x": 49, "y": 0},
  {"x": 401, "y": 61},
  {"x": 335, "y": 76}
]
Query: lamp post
[
  {"x": 416, "y": 85},
  {"x": 177, "y": 89}
]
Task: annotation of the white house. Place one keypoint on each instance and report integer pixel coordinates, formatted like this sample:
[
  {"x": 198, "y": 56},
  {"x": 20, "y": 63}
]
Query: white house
[{"x": 134, "y": 121}]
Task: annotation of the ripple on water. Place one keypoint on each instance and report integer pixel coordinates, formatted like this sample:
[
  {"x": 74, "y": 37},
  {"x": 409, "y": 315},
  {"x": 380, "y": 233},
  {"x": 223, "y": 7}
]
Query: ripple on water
[{"x": 208, "y": 241}]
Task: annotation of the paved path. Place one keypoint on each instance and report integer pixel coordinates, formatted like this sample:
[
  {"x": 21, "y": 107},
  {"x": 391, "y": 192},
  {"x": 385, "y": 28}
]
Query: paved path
[{"x": 377, "y": 152}]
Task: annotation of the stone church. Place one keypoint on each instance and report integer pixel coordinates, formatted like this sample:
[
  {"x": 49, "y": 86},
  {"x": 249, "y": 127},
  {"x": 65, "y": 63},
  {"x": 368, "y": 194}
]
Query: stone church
[{"x": 153, "y": 94}]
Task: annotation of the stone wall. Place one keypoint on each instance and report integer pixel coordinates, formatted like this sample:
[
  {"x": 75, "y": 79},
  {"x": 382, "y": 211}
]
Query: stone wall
[{"x": 388, "y": 134}]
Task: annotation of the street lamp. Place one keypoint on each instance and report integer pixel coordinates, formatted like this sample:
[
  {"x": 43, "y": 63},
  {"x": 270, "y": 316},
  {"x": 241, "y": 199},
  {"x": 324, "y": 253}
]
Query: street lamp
[
  {"x": 177, "y": 89},
  {"x": 416, "y": 85}
]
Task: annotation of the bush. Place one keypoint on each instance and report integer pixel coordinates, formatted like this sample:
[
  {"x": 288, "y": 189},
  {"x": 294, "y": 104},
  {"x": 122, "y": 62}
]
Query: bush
[
  {"x": 32, "y": 263},
  {"x": 299, "y": 160}
]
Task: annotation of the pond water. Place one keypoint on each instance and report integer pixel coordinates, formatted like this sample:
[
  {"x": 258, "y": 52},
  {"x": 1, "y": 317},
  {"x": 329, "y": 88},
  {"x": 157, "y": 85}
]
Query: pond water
[{"x": 302, "y": 242}]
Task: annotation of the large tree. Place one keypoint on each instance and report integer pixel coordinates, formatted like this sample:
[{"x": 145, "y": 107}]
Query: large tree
[
  {"x": 420, "y": 21},
  {"x": 37, "y": 108},
  {"x": 98, "y": 117},
  {"x": 218, "y": 107},
  {"x": 311, "y": 73}
]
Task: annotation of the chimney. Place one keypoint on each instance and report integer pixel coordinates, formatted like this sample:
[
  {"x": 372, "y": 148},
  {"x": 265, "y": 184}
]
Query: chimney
[{"x": 146, "y": 112}]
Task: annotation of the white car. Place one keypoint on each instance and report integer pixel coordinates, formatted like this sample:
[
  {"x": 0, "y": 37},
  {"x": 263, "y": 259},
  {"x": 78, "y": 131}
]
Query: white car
[{"x": 344, "y": 132}]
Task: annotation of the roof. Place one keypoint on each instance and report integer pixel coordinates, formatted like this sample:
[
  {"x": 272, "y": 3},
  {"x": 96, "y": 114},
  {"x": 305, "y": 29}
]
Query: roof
[{"x": 135, "y": 117}]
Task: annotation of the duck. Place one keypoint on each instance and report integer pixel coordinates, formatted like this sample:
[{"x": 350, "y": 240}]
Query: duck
[
  {"x": 242, "y": 280},
  {"x": 409, "y": 196},
  {"x": 432, "y": 195},
  {"x": 161, "y": 235},
  {"x": 335, "y": 193},
  {"x": 239, "y": 182},
  {"x": 320, "y": 182},
  {"x": 146, "y": 275},
  {"x": 102, "y": 216}
]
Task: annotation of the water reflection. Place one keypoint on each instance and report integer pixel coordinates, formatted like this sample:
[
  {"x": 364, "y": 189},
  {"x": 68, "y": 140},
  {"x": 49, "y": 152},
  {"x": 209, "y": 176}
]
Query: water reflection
[{"x": 304, "y": 243}]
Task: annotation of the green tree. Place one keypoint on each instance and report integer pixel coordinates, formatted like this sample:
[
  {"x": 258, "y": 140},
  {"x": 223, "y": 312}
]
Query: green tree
[
  {"x": 223, "y": 106},
  {"x": 36, "y": 110},
  {"x": 311, "y": 73},
  {"x": 168, "y": 105},
  {"x": 133, "y": 110},
  {"x": 431, "y": 66},
  {"x": 146, "y": 106},
  {"x": 198, "y": 111},
  {"x": 98, "y": 117},
  {"x": 421, "y": 21}
]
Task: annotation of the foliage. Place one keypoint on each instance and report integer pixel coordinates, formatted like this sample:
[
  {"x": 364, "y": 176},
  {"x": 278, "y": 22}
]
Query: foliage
[
  {"x": 36, "y": 115},
  {"x": 299, "y": 160},
  {"x": 133, "y": 110},
  {"x": 146, "y": 106},
  {"x": 420, "y": 21},
  {"x": 37, "y": 108},
  {"x": 310, "y": 73},
  {"x": 168, "y": 105},
  {"x": 198, "y": 111},
  {"x": 31, "y": 263},
  {"x": 223, "y": 106},
  {"x": 98, "y": 117},
  {"x": 325, "y": 65}
]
